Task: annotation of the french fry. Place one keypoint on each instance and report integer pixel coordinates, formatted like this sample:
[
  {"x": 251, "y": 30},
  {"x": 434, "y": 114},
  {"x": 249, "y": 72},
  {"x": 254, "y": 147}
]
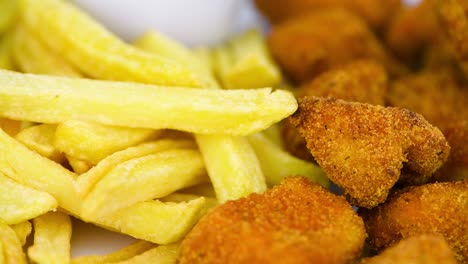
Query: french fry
[
  {"x": 155, "y": 221},
  {"x": 278, "y": 164},
  {"x": 49, "y": 99},
  {"x": 19, "y": 203},
  {"x": 164, "y": 254},
  {"x": 8, "y": 13},
  {"x": 274, "y": 134},
  {"x": 40, "y": 138},
  {"x": 125, "y": 253},
  {"x": 79, "y": 166},
  {"x": 11, "y": 246},
  {"x": 5, "y": 56},
  {"x": 204, "y": 189},
  {"x": 142, "y": 179},
  {"x": 28, "y": 168},
  {"x": 31, "y": 56},
  {"x": 96, "y": 51},
  {"x": 93, "y": 142},
  {"x": 22, "y": 230},
  {"x": 52, "y": 234},
  {"x": 88, "y": 180},
  {"x": 244, "y": 62},
  {"x": 184, "y": 197}
]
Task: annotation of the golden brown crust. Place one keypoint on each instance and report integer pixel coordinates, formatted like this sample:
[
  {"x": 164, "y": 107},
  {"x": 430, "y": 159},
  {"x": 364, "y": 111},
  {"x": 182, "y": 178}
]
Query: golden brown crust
[
  {"x": 440, "y": 208},
  {"x": 304, "y": 47},
  {"x": 420, "y": 249},
  {"x": 295, "y": 222},
  {"x": 363, "y": 147}
]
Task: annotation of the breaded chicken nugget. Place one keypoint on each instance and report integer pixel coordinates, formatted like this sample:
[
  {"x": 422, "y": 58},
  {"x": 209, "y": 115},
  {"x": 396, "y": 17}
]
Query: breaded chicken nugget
[
  {"x": 454, "y": 18},
  {"x": 363, "y": 147},
  {"x": 310, "y": 44},
  {"x": 439, "y": 97},
  {"x": 440, "y": 208},
  {"x": 412, "y": 29},
  {"x": 295, "y": 222},
  {"x": 358, "y": 81},
  {"x": 420, "y": 249},
  {"x": 376, "y": 13}
]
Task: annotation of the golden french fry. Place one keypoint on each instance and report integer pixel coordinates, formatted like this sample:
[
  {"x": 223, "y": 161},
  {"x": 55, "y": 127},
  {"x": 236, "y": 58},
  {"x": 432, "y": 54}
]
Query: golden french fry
[
  {"x": 88, "y": 180},
  {"x": 8, "y": 13},
  {"x": 40, "y": 138},
  {"x": 95, "y": 50},
  {"x": 22, "y": 230},
  {"x": 11, "y": 247},
  {"x": 185, "y": 197},
  {"x": 50, "y": 99},
  {"x": 245, "y": 62},
  {"x": 11, "y": 127},
  {"x": 19, "y": 203},
  {"x": 164, "y": 254},
  {"x": 235, "y": 174},
  {"x": 35, "y": 171},
  {"x": 125, "y": 253},
  {"x": 144, "y": 178},
  {"x": 93, "y": 142},
  {"x": 278, "y": 164},
  {"x": 155, "y": 221},
  {"x": 79, "y": 166},
  {"x": 31, "y": 56},
  {"x": 52, "y": 234}
]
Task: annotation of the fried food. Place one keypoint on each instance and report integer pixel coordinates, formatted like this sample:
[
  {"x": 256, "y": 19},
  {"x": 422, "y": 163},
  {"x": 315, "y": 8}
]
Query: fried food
[
  {"x": 295, "y": 222},
  {"x": 376, "y": 13},
  {"x": 440, "y": 208},
  {"x": 363, "y": 148},
  {"x": 441, "y": 99},
  {"x": 421, "y": 249},
  {"x": 360, "y": 81},
  {"x": 310, "y": 44}
]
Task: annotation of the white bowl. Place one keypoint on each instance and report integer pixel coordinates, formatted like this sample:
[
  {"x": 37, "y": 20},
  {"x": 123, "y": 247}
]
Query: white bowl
[{"x": 193, "y": 22}]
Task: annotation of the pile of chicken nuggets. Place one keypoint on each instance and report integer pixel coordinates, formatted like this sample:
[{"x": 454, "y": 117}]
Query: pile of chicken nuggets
[{"x": 382, "y": 89}]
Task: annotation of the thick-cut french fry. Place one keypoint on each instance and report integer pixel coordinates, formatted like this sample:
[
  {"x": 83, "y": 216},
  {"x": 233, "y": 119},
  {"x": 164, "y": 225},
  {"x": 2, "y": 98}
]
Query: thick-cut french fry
[
  {"x": 244, "y": 62},
  {"x": 278, "y": 164},
  {"x": 125, "y": 253},
  {"x": 22, "y": 230},
  {"x": 31, "y": 56},
  {"x": 184, "y": 197},
  {"x": 19, "y": 203},
  {"x": 95, "y": 50},
  {"x": 11, "y": 127},
  {"x": 40, "y": 138},
  {"x": 155, "y": 221},
  {"x": 35, "y": 171},
  {"x": 88, "y": 180},
  {"x": 79, "y": 166},
  {"x": 164, "y": 254},
  {"x": 8, "y": 13},
  {"x": 145, "y": 178},
  {"x": 52, "y": 234},
  {"x": 49, "y": 99},
  {"x": 235, "y": 174},
  {"x": 11, "y": 246},
  {"x": 93, "y": 142}
]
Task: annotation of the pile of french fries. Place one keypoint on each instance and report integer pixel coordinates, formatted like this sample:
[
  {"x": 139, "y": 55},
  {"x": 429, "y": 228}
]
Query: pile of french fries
[{"x": 139, "y": 138}]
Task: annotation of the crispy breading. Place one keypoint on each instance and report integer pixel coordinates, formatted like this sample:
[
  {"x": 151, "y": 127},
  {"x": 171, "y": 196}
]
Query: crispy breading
[
  {"x": 363, "y": 147},
  {"x": 312, "y": 43},
  {"x": 295, "y": 222},
  {"x": 376, "y": 13},
  {"x": 440, "y": 208},
  {"x": 420, "y": 249},
  {"x": 360, "y": 81},
  {"x": 440, "y": 98}
]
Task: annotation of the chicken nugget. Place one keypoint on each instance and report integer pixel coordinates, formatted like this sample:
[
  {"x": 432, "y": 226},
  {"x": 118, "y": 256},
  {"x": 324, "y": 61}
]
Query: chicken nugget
[
  {"x": 295, "y": 222},
  {"x": 360, "y": 81},
  {"x": 375, "y": 13},
  {"x": 310, "y": 44},
  {"x": 420, "y": 249},
  {"x": 440, "y": 208},
  {"x": 363, "y": 148}
]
